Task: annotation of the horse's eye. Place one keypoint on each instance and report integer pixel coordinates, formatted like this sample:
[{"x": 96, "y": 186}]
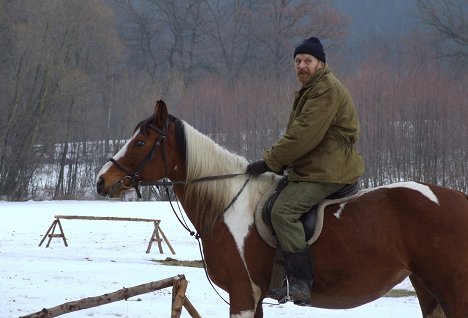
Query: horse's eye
[{"x": 140, "y": 143}]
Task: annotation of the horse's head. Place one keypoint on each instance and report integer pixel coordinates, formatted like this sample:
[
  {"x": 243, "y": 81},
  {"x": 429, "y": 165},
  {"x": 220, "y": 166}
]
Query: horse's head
[{"x": 150, "y": 154}]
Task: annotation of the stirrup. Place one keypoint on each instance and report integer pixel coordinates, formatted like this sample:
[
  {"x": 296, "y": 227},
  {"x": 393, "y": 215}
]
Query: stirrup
[{"x": 286, "y": 298}]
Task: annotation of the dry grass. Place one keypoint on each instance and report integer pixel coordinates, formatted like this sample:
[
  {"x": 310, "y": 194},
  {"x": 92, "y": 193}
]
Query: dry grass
[
  {"x": 400, "y": 293},
  {"x": 169, "y": 261}
]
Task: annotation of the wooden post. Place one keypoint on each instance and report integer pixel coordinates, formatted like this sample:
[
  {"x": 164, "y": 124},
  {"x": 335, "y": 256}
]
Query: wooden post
[
  {"x": 175, "y": 288},
  {"x": 191, "y": 309},
  {"x": 48, "y": 230},
  {"x": 62, "y": 234},
  {"x": 178, "y": 297},
  {"x": 89, "y": 302},
  {"x": 166, "y": 240},
  {"x": 155, "y": 237},
  {"x": 52, "y": 231}
]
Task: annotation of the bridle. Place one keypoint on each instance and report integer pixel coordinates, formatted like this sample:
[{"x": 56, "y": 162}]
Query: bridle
[{"x": 132, "y": 178}]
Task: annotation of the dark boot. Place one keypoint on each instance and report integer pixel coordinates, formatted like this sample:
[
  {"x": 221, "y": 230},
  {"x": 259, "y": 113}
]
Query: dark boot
[{"x": 299, "y": 278}]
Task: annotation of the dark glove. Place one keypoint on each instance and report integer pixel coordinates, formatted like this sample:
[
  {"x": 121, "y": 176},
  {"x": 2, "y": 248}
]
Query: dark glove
[{"x": 257, "y": 168}]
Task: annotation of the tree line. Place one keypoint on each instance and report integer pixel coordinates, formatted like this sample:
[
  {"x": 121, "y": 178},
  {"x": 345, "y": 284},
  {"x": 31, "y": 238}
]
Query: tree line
[{"x": 76, "y": 77}]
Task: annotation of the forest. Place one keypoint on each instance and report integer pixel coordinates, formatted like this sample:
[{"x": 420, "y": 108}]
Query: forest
[{"x": 77, "y": 76}]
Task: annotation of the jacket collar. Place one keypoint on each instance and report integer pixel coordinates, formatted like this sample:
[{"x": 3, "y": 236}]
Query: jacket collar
[{"x": 317, "y": 76}]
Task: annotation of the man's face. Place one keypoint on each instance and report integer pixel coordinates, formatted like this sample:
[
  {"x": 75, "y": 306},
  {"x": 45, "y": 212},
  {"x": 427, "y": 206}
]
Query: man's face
[{"x": 306, "y": 65}]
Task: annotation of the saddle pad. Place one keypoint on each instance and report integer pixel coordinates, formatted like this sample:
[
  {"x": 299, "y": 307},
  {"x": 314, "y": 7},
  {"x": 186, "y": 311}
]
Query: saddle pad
[{"x": 267, "y": 233}]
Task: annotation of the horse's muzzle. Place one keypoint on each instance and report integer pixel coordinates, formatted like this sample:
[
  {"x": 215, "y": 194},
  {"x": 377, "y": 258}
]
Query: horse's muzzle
[{"x": 100, "y": 186}]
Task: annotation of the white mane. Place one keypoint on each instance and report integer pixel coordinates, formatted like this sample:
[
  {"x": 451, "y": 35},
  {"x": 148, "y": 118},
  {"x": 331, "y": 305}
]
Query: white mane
[{"x": 205, "y": 158}]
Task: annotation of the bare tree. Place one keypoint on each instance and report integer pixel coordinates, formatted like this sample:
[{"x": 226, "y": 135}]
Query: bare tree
[
  {"x": 231, "y": 40},
  {"x": 413, "y": 120},
  {"x": 168, "y": 36},
  {"x": 448, "y": 18},
  {"x": 75, "y": 78},
  {"x": 190, "y": 39},
  {"x": 280, "y": 25},
  {"x": 57, "y": 47}
]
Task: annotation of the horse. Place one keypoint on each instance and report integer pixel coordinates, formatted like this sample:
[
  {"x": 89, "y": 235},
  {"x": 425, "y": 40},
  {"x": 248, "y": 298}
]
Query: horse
[{"x": 367, "y": 245}]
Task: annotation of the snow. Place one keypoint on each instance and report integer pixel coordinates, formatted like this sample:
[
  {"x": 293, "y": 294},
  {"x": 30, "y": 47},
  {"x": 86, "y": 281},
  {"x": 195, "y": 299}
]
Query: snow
[{"x": 104, "y": 256}]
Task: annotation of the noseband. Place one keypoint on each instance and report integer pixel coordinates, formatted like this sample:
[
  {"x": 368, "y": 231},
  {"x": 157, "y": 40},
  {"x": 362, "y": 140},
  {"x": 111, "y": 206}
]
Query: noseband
[{"x": 132, "y": 177}]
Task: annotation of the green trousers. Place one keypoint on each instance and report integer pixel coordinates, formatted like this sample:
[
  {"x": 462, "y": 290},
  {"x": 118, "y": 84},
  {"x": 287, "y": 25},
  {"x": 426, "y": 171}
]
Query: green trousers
[{"x": 296, "y": 199}]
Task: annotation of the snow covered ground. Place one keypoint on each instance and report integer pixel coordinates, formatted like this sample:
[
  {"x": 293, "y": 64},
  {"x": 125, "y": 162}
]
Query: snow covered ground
[{"x": 105, "y": 256}]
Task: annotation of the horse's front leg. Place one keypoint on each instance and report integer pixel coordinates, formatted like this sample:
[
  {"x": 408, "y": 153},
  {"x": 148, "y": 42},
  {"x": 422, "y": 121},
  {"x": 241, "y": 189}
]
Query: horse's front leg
[
  {"x": 259, "y": 311},
  {"x": 244, "y": 304},
  {"x": 244, "y": 299}
]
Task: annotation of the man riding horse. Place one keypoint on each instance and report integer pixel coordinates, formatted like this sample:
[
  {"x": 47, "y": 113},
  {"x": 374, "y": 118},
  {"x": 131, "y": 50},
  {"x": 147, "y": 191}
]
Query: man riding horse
[{"x": 318, "y": 152}]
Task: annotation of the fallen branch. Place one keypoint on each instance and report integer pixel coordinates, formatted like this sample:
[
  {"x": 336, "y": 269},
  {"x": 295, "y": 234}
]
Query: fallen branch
[{"x": 121, "y": 294}]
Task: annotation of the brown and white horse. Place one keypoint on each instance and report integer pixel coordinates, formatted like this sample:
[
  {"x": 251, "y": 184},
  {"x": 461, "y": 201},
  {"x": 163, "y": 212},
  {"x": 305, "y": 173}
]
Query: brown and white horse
[{"x": 367, "y": 245}]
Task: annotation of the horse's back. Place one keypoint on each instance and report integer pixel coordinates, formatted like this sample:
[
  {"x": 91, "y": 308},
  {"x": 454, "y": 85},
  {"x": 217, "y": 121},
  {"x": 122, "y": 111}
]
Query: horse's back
[
  {"x": 384, "y": 235},
  {"x": 441, "y": 223},
  {"x": 414, "y": 216}
]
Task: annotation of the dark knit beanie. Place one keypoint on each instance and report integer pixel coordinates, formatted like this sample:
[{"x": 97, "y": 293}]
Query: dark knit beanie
[{"x": 311, "y": 46}]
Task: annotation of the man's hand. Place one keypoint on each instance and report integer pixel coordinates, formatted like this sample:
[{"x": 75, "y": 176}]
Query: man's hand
[{"x": 257, "y": 168}]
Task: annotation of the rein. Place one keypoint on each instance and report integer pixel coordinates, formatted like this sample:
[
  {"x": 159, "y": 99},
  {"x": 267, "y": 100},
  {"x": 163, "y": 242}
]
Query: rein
[
  {"x": 166, "y": 182},
  {"x": 132, "y": 180}
]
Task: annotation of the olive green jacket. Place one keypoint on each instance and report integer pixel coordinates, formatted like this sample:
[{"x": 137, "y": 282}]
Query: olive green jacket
[{"x": 323, "y": 126}]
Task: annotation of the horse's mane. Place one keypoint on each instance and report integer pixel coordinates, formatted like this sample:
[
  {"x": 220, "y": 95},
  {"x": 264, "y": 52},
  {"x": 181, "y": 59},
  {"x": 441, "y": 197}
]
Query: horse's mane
[
  {"x": 207, "y": 158},
  {"x": 204, "y": 157}
]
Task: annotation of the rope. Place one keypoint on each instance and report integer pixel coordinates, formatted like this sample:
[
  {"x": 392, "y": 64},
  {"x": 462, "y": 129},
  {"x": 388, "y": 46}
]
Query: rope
[
  {"x": 166, "y": 183},
  {"x": 206, "y": 271},
  {"x": 180, "y": 218}
]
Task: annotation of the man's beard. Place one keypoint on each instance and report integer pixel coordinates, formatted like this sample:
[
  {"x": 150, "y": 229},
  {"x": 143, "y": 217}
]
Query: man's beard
[{"x": 304, "y": 77}]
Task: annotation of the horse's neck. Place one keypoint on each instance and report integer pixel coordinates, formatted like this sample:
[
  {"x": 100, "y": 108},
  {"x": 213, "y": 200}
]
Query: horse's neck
[
  {"x": 204, "y": 202},
  {"x": 205, "y": 157}
]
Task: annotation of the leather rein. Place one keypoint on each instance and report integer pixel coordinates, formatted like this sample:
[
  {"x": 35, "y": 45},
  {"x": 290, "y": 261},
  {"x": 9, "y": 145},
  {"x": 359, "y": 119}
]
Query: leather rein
[{"x": 132, "y": 179}]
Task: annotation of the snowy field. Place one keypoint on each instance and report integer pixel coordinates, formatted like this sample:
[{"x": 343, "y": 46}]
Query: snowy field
[{"x": 105, "y": 256}]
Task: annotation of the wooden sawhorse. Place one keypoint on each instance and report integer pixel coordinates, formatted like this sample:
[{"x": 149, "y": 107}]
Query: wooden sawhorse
[{"x": 155, "y": 236}]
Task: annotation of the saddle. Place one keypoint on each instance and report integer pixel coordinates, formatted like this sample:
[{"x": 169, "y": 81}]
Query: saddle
[{"x": 308, "y": 219}]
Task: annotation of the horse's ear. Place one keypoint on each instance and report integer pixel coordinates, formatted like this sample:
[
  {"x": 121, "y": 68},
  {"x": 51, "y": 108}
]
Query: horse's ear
[{"x": 160, "y": 112}]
